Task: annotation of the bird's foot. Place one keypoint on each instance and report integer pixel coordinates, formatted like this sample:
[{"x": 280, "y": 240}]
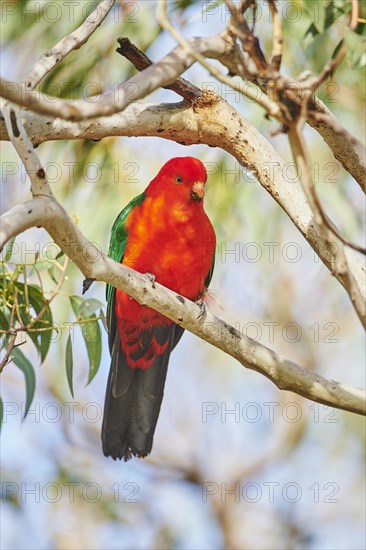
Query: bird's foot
[
  {"x": 203, "y": 309},
  {"x": 151, "y": 278}
]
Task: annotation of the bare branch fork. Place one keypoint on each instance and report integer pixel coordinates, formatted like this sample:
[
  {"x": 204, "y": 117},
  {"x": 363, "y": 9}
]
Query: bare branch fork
[
  {"x": 223, "y": 128},
  {"x": 329, "y": 232},
  {"x": 238, "y": 138},
  {"x": 226, "y": 129}
]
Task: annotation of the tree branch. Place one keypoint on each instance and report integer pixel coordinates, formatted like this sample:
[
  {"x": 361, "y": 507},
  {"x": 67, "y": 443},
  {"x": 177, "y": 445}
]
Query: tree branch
[
  {"x": 330, "y": 234},
  {"x": 224, "y": 128},
  {"x": 140, "y": 60},
  {"x": 348, "y": 150},
  {"x": 227, "y": 60},
  {"x": 287, "y": 375},
  {"x": 160, "y": 74},
  {"x": 25, "y": 149},
  {"x": 73, "y": 41},
  {"x": 277, "y": 38},
  {"x": 247, "y": 38}
]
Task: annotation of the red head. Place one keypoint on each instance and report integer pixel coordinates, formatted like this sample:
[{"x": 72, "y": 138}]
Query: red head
[{"x": 181, "y": 178}]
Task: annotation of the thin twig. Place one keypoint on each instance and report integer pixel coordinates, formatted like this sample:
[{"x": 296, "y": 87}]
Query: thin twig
[
  {"x": 354, "y": 15},
  {"x": 141, "y": 61},
  {"x": 25, "y": 150},
  {"x": 13, "y": 336},
  {"x": 67, "y": 325},
  {"x": 301, "y": 151},
  {"x": 255, "y": 95},
  {"x": 329, "y": 68},
  {"x": 277, "y": 39},
  {"x": 73, "y": 41},
  {"x": 338, "y": 260},
  {"x": 9, "y": 349},
  {"x": 249, "y": 41},
  {"x": 162, "y": 73}
]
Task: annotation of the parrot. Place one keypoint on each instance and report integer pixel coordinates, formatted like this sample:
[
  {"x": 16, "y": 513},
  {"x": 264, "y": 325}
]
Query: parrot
[{"x": 164, "y": 233}]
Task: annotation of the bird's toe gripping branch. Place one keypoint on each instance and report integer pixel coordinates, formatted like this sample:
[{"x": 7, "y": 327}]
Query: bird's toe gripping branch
[
  {"x": 203, "y": 309},
  {"x": 151, "y": 278}
]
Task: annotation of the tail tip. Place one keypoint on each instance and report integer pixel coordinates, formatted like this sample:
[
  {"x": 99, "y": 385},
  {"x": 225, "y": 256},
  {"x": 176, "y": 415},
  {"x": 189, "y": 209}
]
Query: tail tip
[{"x": 119, "y": 453}]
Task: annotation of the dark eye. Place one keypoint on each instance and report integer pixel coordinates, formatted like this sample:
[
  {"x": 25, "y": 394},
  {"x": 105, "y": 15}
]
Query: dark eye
[{"x": 178, "y": 179}]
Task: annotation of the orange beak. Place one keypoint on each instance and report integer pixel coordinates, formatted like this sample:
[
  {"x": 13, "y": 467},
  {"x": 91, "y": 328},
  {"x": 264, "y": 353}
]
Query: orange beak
[{"x": 198, "y": 192}]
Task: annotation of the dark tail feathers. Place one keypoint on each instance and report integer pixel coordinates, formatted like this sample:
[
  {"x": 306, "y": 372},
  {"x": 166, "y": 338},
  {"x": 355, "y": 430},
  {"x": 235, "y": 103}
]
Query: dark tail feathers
[{"x": 132, "y": 407}]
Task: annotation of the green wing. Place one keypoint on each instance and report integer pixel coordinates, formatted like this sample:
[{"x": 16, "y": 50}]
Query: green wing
[
  {"x": 117, "y": 247},
  {"x": 210, "y": 273}
]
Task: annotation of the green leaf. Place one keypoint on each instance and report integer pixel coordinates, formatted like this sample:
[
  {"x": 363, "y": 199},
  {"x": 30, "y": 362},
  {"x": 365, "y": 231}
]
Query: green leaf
[
  {"x": 51, "y": 273},
  {"x": 22, "y": 303},
  {"x": 337, "y": 48},
  {"x": 309, "y": 35},
  {"x": 1, "y": 413},
  {"x": 4, "y": 322},
  {"x": 60, "y": 254},
  {"x": 30, "y": 378},
  {"x": 69, "y": 365},
  {"x": 89, "y": 307},
  {"x": 42, "y": 265},
  {"x": 355, "y": 49},
  {"x": 91, "y": 330},
  {"x": 317, "y": 12},
  {"x": 38, "y": 301},
  {"x": 76, "y": 302},
  {"x": 9, "y": 249},
  {"x": 93, "y": 340}
]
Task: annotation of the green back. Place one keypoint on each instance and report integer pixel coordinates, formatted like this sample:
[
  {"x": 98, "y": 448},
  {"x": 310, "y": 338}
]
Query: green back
[
  {"x": 117, "y": 247},
  {"x": 210, "y": 273}
]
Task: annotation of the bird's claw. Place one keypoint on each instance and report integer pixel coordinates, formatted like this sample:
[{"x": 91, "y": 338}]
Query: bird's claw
[
  {"x": 203, "y": 309},
  {"x": 151, "y": 278}
]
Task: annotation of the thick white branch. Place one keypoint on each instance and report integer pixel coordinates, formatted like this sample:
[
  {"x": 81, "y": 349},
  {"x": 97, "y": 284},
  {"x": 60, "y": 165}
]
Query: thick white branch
[
  {"x": 214, "y": 122},
  {"x": 25, "y": 149},
  {"x": 348, "y": 150},
  {"x": 287, "y": 375}
]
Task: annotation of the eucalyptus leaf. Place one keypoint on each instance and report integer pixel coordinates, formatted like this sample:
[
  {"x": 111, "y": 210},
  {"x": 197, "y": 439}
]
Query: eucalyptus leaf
[
  {"x": 30, "y": 378},
  {"x": 42, "y": 265},
  {"x": 38, "y": 302},
  {"x": 9, "y": 249},
  {"x": 89, "y": 307},
  {"x": 93, "y": 340},
  {"x": 76, "y": 302},
  {"x": 69, "y": 365}
]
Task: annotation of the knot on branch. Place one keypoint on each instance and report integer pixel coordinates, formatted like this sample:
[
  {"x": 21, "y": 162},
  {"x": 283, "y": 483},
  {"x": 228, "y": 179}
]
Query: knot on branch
[{"x": 207, "y": 100}]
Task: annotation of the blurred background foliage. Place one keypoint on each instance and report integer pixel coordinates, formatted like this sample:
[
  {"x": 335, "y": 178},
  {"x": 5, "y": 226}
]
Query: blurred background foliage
[{"x": 295, "y": 469}]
